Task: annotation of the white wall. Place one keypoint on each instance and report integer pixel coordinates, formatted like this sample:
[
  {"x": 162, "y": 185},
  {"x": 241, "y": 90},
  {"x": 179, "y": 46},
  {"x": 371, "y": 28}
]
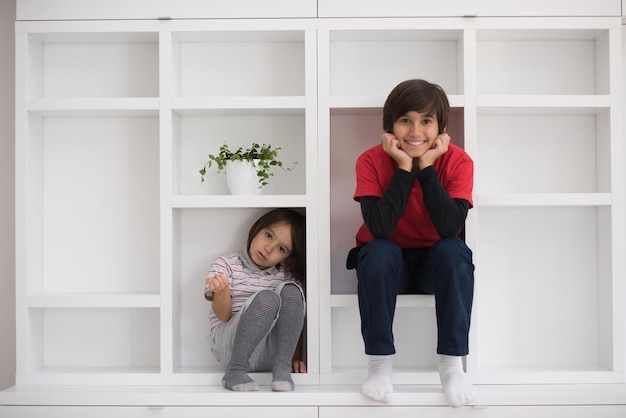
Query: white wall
[{"x": 7, "y": 194}]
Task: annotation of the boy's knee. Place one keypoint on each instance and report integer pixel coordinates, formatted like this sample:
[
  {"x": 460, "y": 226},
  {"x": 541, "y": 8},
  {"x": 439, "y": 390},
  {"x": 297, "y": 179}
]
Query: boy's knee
[
  {"x": 451, "y": 248},
  {"x": 382, "y": 250}
]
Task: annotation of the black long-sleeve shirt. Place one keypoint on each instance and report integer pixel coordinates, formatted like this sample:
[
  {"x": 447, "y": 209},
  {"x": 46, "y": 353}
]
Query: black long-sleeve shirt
[{"x": 381, "y": 215}]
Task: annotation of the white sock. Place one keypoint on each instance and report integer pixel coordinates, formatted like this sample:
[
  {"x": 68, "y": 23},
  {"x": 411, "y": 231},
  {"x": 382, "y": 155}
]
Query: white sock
[
  {"x": 378, "y": 385},
  {"x": 456, "y": 386}
]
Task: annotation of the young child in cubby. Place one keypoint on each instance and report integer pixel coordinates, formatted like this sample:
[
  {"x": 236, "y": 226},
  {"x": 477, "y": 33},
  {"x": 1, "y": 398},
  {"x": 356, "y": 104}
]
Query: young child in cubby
[
  {"x": 414, "y": 190},
  {"x": 257, "y": 311}
]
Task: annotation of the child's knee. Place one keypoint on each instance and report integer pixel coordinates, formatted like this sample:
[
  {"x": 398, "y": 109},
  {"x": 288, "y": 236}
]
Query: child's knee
[
  {"x": 451, "y": 248},
  {"x": 291, "y": 292},
  {"x": 380, "y": 251},
  {"x": 267, "y": 299}
]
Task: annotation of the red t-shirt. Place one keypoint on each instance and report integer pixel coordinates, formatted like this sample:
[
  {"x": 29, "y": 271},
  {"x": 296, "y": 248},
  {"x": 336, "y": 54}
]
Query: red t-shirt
[{"x": 374, "y": 170}]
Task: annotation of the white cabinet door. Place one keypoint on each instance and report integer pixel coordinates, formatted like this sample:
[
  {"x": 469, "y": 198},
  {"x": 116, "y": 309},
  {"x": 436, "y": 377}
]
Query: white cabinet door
[
  {"x": 543, "y": 411},
  {"x": 162, "y": 9},
  {"x": 154, "y": 412},
  {"x": 426, "y": 8}
]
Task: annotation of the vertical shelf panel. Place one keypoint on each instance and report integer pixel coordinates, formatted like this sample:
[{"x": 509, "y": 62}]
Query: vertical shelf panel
[
  {"x": 538, "y": 311},
  {"x": 79, "y": 340},
  {"x": 364, "y": 63},
  {"x": 94, "y": 65},
  {"x": 240, "y": 63},
  {"x": 109, "y": 199},
  {"x": 557, "y": 62},
  {"x": 200, "y": 236},
  {"x": 353, "y": 131},
  {"x": 100, "y": 204},
  {"x": 546, "y": 152},
  {"x": 200, "y": 135}
]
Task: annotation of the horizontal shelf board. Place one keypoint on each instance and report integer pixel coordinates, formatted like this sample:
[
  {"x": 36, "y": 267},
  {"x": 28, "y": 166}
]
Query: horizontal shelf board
[
  {"x": 403, "y": 301},
  {"x": 564, "y": 103},
  {"x": 574, "y": 27},
  {"x": 125, "y": 106},
  {"x": 378, "y": 101},
  {"x": 94, "y": 301},
  {"x": 226, "y": 34},
  {"x": 238, "y": 105},
  {"x": 213, "y": 376},
  {"x": 344, "y": 375},
  {"x": 267, "y": 28},
  {"x": 542, "y": 199},
  {"x": 542, "y": 29},
  {"x": 238, "y": 201},
  {"x": 92, "y": 376},
  {"x": 130, "y": 371},
  {"x": 545, "y": 375},
  {"x": 92, "y": 31},
  {"x": 390, "y": 35},
  {"x": 303, "y": 395}
]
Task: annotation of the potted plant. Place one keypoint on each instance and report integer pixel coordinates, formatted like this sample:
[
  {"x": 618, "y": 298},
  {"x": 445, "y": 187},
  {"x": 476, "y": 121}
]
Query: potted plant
[{"x": 247, "y": 171}]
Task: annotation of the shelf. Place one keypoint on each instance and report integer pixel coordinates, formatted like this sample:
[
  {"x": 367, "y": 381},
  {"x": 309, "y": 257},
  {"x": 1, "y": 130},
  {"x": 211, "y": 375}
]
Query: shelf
[
  {"x": 97, "y": 106},
  {"x": 94, "y": 301},
  {"x": 93, "y": 65},
  {"x": 403, "y": 301},
  {"x": 94, "y": 340},
  {"x": 376, "y": 101},
  {"x": 205, "y": 202},
  {"x": 328, "y": 395},
  {"x": 116, "y": 232},
  {"x": 542, "y": 199},
  {"x": 108, "y": 376},
  {"x": 545, "y": 103},
  {"x": 287, "y": 105},
  {"x": 546, "y": 375}
]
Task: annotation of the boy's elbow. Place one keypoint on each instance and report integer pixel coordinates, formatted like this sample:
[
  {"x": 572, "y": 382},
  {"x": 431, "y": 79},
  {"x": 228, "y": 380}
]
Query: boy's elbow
[
  {"x": 449, "y": 232},
  {"x": 380, "y": 233}
]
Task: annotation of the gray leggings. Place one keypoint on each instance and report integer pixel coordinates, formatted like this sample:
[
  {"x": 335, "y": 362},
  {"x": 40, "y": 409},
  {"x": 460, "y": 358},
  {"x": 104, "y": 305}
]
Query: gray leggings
[{"x": 222, "y": 338}]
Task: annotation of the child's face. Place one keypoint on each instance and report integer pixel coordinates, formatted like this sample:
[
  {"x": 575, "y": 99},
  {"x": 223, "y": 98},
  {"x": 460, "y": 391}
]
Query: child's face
[
  {"x": 271, "y": 246},
  {"x": 416, "y": 132}
]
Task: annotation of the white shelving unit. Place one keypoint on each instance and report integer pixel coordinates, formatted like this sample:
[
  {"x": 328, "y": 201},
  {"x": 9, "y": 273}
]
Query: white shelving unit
[
  {"x": 115, "y": 232},
  {"x": 537, "y": 105}
]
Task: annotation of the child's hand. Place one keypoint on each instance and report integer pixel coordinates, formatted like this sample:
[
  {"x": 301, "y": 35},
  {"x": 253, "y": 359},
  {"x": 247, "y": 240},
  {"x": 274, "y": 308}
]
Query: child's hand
[
  {"x": 440, "y": 147},
  {"x": 391, "y": 145},
  {"x": 298, "y": 366},
  {"x": 217, "y": 283}
]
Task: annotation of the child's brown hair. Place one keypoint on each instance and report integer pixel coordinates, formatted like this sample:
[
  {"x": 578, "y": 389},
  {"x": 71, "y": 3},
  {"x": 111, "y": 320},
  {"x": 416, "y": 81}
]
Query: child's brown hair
[
  {"x": 419, "y": 96},
  {"x": 295, "y": 263}
]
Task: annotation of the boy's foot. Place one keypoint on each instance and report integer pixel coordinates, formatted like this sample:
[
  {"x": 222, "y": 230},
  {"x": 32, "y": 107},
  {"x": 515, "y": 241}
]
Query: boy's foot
[
  {"x": 456, "y": 386},
  {"x": 378, "y": 385}
]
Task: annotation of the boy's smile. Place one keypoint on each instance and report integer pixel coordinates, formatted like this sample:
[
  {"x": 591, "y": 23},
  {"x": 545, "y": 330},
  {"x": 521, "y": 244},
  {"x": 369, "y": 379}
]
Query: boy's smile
[{"x": 416, "y": 132}]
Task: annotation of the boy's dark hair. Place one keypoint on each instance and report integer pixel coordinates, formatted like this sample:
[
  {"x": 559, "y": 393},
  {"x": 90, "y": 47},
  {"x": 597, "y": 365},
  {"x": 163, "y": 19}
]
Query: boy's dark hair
[
  {"x": 419, "y": 96},
  {"x": 295, "y": 264}
]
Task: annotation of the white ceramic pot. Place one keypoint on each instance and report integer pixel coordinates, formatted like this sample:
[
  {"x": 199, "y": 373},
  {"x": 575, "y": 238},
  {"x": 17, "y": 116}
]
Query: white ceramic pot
[{"x": 241, "y": 177}]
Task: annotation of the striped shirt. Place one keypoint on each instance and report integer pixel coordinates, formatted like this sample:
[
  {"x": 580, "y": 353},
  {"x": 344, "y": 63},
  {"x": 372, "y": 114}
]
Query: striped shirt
[{"x": 245, "y": 279}]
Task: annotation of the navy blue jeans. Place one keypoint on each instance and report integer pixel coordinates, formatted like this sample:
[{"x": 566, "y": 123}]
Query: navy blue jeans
[{"x": 446, "y": 270}]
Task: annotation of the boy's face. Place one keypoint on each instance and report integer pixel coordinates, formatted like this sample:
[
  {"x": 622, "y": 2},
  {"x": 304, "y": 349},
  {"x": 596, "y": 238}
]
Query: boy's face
[
  {"x": 271, "y": 246},
  {"x": 416, "y": 132}
]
